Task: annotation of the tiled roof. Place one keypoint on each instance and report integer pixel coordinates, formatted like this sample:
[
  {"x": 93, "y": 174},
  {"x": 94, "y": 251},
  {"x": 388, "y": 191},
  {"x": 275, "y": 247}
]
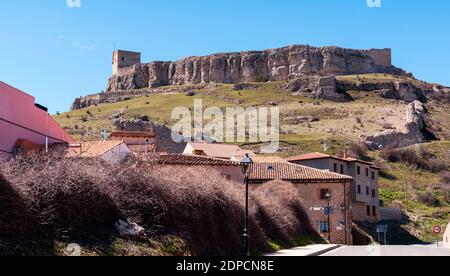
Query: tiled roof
[
  {"x": 267, "y": 159},
  {"x": 292, "y": 172},
  {"x": 308, "y": 156},
  {"x": 216, "y": 150},
  {"x": 191, "y": 160},
  {"x": 316, "y": 156},
  {"x": 260, "y": 171},
  {"x": 91, "y": 149},
  {"x": 133, "y": 134},
  {"x": 256, "y": 158}
]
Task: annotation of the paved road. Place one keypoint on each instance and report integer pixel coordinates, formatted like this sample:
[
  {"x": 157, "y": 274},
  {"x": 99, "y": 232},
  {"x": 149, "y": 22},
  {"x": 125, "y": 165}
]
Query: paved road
[
  {"x": 310, "y": 250},
  {"x": 413, "y": 250}
]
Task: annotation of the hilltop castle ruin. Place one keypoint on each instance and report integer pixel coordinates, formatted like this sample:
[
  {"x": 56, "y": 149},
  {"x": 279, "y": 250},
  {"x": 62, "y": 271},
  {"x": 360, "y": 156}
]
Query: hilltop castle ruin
[{"x": 280, "y": 64}]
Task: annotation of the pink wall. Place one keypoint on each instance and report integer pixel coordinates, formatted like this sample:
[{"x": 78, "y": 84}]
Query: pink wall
[{"x": 20, "y": 119}]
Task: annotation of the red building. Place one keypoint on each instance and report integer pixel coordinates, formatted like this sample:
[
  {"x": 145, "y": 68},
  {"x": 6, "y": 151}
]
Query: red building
[{"x": 22, "y": 119}]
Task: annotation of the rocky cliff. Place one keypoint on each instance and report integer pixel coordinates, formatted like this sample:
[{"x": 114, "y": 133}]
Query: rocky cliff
[
  {"x": 280, "y": 64},
  {"x": 415, "y": 130}
]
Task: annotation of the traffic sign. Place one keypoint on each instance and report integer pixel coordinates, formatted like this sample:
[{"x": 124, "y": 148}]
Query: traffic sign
[{"x": 437, "y": 229}]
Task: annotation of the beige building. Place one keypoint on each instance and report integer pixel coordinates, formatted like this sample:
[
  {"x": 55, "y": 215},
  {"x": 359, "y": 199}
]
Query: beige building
[
  {"x": 109, "y": 151},
  {"x": 364, "y": 190},
  {"x": 222, "y": 151},
  {"x": 447, "y": 237}
]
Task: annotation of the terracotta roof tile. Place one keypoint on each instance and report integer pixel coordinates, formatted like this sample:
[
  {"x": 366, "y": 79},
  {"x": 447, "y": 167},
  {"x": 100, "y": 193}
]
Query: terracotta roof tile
[
  {"x": 293, "y": 172},
  {"x": 316, "y": 155},
  {"x": 260, "y": 171},
  {"x": 143, "y": 134},
  {"x": 191, "y": 160},
  {"x": 309, "y": 156},
  {"x": 91, "y": 149},
  {"x": 216, "y": 150}
]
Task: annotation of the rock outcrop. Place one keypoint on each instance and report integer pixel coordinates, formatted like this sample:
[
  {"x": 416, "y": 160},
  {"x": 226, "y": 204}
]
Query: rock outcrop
[
  {"x": 327, "y": 90},
  {"x": 280, "y": 64},
  {"x": 337, "y": 90},
  {"x": 323, "y": 88},
  {"x": 399, "y": 90},
  {"x": 414, "y": 133}
]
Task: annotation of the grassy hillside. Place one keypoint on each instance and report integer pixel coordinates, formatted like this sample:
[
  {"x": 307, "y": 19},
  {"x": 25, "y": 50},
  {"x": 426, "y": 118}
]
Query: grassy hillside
[{"x": 334, "y": 124}]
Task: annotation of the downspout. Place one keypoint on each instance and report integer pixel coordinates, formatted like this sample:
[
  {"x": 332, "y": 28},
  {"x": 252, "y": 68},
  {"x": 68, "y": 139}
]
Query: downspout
[{"x": 345, "y": 214}]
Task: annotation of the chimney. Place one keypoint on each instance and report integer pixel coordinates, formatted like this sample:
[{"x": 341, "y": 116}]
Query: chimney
[{"x": 346, "y": 154}]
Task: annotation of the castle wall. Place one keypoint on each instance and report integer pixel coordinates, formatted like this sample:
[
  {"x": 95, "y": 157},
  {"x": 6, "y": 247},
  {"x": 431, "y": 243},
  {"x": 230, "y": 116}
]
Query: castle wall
[
  {"x": 123, "y": 59},
  {"x": 381, "y": 57}
]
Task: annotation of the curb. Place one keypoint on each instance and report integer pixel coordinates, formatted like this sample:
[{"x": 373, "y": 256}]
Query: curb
[{"x": 321, "y": 252}]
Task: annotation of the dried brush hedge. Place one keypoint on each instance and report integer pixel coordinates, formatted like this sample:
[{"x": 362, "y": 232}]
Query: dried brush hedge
[{"x": 79, "y": 200}]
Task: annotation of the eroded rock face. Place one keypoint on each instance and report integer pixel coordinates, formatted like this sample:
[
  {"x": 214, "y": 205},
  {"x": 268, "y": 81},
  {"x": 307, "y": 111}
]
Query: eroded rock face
[
  {"x": 256, "y": 66},
  {"x": 327, "y": 90},
  {"x": 136, "y": 77},
  {"x": 323, "y": 88},
  {"x": 414, "y": 130}
]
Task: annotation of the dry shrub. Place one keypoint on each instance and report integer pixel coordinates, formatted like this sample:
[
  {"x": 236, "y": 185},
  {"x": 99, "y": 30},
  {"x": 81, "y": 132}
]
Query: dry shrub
[
  {"x": 444, "y": 177},
  {"x": 429, "y": 199},
  {"x": 198, "y": 204},
  {"x": 15, "y": 217},
  {"x": 68, "y": 198},
  {"x": 421, "y": 159},
  {"x": 280, "y": 213},
  {"x": 405, "y": 156},
  {"x": 79, "y": 200}
]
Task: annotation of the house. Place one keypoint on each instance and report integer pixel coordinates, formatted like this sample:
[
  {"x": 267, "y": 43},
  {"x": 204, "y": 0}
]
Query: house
[
  {"x": 22, "y": 119},
  {"x": 313, "y": 186},
  {"x": 447, "y": 237},
  {"x": 317, "y": 189},
  {"x": 228, "y": 169},
  {"x": 364, "y": 189},
  {"x": 256, "y": 158},
  {"x": 109, "y": 151},
  {"x": 137, "y": 141},
  {"x": 222, "y": 151}
]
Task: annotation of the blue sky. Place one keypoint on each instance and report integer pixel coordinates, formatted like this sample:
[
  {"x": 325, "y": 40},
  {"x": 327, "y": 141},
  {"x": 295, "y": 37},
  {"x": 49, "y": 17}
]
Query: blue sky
[{"x": 58, "y": 53}]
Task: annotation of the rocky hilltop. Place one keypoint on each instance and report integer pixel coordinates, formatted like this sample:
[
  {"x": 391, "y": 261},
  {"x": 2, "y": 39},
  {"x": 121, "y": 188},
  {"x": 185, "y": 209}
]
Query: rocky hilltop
[{"x": 280, "y": 64}]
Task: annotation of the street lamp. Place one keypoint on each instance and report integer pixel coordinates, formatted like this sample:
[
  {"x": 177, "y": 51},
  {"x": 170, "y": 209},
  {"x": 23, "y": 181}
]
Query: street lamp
[
  {"x": 246, "y": 165},
  {"x": 328, "y": 198}
]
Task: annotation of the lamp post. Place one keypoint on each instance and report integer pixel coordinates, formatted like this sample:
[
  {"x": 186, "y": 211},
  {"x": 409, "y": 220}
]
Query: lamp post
[
  {"x": 246, "y": 165},
  {"x": 328, "y": 197}
]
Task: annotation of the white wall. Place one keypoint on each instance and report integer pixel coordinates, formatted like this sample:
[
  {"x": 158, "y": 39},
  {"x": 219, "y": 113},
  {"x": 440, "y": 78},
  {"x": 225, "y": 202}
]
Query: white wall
[
  {"x": 117, "y": 154},
  {"x": 447, "y": 237}
]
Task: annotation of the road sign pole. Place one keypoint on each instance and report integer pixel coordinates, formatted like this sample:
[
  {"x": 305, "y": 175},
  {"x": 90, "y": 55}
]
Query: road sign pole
[{"x": 437, "y": 230}]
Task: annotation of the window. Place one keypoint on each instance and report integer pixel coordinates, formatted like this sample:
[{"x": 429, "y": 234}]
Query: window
[
  {"x": 324, "y": 227},
  {"x": 323, "y": 194},
  {"x": 359, "y": 189},
  {"x": 374, "y": 211},
  {"x": 342, "y": 169},
  {"x": 374, "y": 193},
  {"x": 123, "y": 59},
  {"x": 367, "y": 172},
  {"x": 358, "y": 168},
  {"x": 367, "y": 191},
  {"x": 373, "y": 175},
  {"x": 335, "y": 167},
  {"x": 368, "y": 210}
]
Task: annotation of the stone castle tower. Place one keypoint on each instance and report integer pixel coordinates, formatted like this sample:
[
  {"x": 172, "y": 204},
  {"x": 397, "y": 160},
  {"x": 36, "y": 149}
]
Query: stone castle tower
[{"x": 122, "y": 59}]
